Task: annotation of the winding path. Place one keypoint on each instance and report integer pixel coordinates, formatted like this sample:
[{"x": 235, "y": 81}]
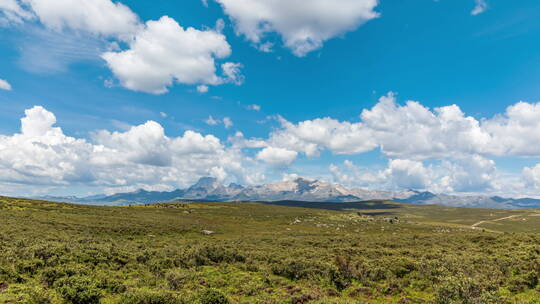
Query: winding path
[{"x": 475, "y": 225}]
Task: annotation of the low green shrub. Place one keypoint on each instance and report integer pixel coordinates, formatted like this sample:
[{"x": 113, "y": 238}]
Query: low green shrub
[
  {"x": 110, "y": 284},
  {"x": 212, "y": 296},
  {"x": 462, "y": 289},
  {"x": 10, "y": 275},
  {"x": 213, "y": 254},
  {"x": 38, "y": 296},
  {"x": 78, "y": 290},
  {"x": 523, "y": 281},
  {"x": 296, "y": 269},
  {"x": 50, "y": 275},
  {"x": 29, "y": 266}
]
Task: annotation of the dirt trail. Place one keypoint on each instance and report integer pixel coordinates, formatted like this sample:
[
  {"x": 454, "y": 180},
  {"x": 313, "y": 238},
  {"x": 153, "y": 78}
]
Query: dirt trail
[{"x": 475, "y": 225}]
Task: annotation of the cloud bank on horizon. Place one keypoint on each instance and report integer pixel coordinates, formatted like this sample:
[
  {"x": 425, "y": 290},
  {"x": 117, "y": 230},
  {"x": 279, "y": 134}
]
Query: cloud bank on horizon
[{"x": 442, "y": 150}]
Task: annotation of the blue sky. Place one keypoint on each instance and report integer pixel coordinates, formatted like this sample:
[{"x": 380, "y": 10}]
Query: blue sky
[{"x": 434, "y": 52}]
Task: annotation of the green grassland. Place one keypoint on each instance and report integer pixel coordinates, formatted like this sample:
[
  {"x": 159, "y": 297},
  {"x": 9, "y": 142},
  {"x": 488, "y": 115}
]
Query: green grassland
[{"x": 373, "y": 252}]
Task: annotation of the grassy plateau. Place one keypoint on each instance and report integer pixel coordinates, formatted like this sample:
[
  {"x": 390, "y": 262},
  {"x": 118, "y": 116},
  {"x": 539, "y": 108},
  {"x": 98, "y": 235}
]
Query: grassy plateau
[{"x": 212, "y": 253}]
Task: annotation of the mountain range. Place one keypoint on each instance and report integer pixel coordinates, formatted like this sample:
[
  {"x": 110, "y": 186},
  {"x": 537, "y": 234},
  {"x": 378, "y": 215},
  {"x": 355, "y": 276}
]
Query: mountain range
[{"x": 300, "y": 189}]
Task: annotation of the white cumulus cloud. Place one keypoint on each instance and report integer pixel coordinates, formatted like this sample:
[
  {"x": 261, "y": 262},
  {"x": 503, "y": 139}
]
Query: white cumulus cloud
[
  {"x": 408, "y": 174},
  {"x": 277, "y": 157},
  {"x": 143, "y": 156},
  {"x": 531, "y": 175},
  {"x": 99, "y": 17},
  {"x": 413, "y": 131},
  {"x": 164, "y": 53},
  {"x": 303, "y": 27},
  {"x": 468, "y": 174},
  {"x": 311, "y": 136}
]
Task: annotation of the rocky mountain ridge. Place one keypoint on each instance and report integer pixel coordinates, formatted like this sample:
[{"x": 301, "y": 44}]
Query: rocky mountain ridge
[{"x": 300, "y": 189}]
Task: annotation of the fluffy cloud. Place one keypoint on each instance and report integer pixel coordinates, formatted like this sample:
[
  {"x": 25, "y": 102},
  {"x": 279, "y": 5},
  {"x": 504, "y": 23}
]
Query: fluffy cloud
[
  {"x": 531, "y": 176},
  {"x": 440, "y": 149},
  {"x": 302, "y": 29},
  {"x": 98, "y": 17},
  {"x": 164, "y": 53},
  {"x": 469, "y": 174},
  {"x": 351, "y": 175},
  {"x": 145, "y": 144},
  {"x": 400, "y": 174},
  {"x": 143, "y": 156},
  {"x": 480, "y": 7},
  {"x": 38, "y": 122},
  {"x": 41, "y": 154},
  {"x": 408, "y": 174},
  {"x": 516, "y": 131},
  {"x": 311, "y": 136},
  {"x": 413, "y": 131},
  {"x": 4, "y": 85},
  {"x": 277, "y": 157}
]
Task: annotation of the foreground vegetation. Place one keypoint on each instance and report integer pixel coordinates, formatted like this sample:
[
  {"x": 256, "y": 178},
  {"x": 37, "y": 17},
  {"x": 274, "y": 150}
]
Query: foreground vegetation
[{"x": 256, "y": 253}]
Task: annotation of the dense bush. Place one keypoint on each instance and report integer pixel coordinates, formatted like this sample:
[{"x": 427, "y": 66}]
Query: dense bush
[
  {"x": 110, "y": 284},
  {"x": 50, "y": 275},
  {"x": 38, "y": 296},
  {"x": 212, "y": 254},
  {"x": 79, "y": 290},
  {"x": 299, "y": 268},
  {"x": 10, "y": 275},
  {"x": 212, "y": 296},
  {"x": 29, "y": 266},
  {"x": 466, "y": 290},
  {"x": 522, "y": 281}
]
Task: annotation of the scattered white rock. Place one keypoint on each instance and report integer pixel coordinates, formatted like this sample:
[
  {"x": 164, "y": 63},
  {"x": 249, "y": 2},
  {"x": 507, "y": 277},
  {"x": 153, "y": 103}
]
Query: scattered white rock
[{"x": 207, "y": 232}]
